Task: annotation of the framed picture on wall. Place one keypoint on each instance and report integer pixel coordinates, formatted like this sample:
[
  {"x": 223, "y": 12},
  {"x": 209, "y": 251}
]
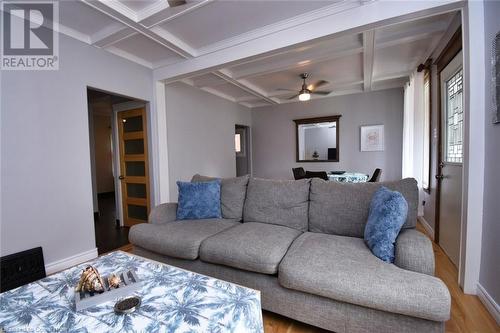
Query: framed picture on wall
[{"x": 372, "y": 138}]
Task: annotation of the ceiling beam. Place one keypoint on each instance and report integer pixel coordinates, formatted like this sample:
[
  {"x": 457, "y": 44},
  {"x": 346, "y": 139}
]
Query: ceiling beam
[
  {"x": 246, "y": 86},
  {"x": 366, "y": 17},
  {"x": 368, "y": 56},
  {"x": 111, "y": 34},
  {"x": 208, "y": 80},
  {"x": 115, "y": 11},
  {"x": 295, "y": 59},
  {"x": 170, "y": 14},
  {"x": 391, "y": 76}
]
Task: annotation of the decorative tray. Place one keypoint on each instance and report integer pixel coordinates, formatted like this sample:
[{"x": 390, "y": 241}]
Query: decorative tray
[{"x": 128, "y": 285}]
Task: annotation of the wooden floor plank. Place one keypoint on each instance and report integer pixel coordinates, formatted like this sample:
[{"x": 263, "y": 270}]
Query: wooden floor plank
[{"x": 468, "y": 314}]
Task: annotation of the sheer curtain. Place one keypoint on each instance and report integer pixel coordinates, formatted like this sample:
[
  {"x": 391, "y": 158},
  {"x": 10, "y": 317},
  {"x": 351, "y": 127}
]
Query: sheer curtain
[{"x": 413, "y": 130}]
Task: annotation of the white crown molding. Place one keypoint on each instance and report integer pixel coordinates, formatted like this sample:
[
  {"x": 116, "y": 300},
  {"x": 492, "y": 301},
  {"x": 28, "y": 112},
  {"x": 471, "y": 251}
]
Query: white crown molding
[
  {"x": 60, "y": 265},
  {"x": 489, "y": 303},
  {"x": 74, "y": 34},
  {"x": 164, "y": 16},
  {"x": 128, "y": 56},
  {"x": 120, "y": 8},
  {"x": 281, "y": 25},
  {"x": 187, "y": 49},
  {"x": 152, "y": 10},
  {"x": 111, "y": 34}
]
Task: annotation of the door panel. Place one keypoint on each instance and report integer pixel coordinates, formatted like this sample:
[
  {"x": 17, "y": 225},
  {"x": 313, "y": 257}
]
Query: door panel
[
  {"x": 134, "y": 165},
  {"x": 450, "y": 176}
]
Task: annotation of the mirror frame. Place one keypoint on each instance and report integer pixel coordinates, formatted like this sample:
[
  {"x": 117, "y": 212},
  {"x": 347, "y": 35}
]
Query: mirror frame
[{"x": 315, "y": 120}]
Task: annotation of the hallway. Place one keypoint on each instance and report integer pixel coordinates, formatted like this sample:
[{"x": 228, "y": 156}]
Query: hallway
[{"x": 108, "y": 234}]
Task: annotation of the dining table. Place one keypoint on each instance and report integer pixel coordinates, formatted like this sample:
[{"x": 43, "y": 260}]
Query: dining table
[{"x": 348, "y": 177}]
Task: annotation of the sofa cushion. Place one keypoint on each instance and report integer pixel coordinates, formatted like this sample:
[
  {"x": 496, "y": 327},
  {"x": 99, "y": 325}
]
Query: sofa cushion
[
  {"x": 256, "y": 247},
  {"x": 342, "y": 209},
  {"x": 344, "y": 269},
  {"x": 282, "y": 202},
  {"x": 232, "y": 197},
  {"x": 180, "y": 239}
]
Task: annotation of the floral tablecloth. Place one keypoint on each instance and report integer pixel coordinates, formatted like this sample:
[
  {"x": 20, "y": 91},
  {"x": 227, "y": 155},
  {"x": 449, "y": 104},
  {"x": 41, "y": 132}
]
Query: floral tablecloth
[
  {"x": 173, "y": 300},
  {"x": 349, "y": 177}
]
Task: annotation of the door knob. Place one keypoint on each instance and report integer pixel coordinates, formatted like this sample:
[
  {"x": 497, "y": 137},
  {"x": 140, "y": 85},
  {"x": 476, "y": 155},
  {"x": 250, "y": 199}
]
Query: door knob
[
  {"x": 121, "y": 177},
  {"x": 439, "y": 177}
]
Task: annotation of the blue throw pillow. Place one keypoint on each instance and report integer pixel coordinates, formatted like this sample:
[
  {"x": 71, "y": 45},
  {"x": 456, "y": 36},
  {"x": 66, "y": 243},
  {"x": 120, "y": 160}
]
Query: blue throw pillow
[
  {"x": 199, "y": 200},
  {"x": 388, "y": 211}
]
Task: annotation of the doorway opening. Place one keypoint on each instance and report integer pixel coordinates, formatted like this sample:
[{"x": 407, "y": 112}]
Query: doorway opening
[
  {"x": 106, "y": 122},
  {"x": 242, "y": 150}
]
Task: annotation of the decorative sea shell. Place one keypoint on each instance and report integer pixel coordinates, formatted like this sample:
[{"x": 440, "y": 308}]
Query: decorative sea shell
[
  {"x": 114, "y": 281},
  {"x": 90, "y": 281}
]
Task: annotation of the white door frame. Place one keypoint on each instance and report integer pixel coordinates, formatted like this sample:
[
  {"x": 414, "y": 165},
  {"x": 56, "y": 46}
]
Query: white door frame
[{"x": 473, "y": 166}]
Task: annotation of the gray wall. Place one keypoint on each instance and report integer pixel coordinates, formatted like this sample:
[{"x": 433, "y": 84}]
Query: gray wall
[
  {"x": 490, "y": 266},
  {"x": 46, "y": 192},
  {"x": 274, "y": 134},
  {"x": 200, "y": 132}
]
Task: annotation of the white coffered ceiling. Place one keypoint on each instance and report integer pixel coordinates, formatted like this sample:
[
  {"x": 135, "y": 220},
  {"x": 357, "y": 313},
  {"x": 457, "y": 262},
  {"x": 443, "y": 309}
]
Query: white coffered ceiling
[{"x": 165, "y": 39}]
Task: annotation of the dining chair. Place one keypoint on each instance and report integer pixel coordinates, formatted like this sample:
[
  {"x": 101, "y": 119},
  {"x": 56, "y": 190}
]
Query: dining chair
[
  {"x": 376, "y": 176},
  {"x": 317, "y": 174},
  {"x": 299, "y": 173}
]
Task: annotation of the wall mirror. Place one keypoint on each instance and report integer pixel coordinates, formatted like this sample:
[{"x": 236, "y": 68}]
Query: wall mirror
[{"x": 318, "y": 139}]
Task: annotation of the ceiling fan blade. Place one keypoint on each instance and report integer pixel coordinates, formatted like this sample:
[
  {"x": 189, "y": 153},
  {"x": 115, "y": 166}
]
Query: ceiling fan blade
[
  {"x": 175, "y": 3},
  {"x": 294, "y": 96},
  {"x": 283, "y": 89},
  {"x": 321, "y": 92},
  {"x": 317, "y": 84}
]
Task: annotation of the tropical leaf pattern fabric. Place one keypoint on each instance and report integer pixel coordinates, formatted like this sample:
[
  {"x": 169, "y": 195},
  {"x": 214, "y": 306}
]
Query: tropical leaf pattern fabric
[{"x": 172, "y": 300}]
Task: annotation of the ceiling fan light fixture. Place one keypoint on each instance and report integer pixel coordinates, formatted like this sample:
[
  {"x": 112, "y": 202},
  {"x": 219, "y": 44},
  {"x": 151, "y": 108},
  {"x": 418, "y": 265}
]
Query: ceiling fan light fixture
[{"x": 304, "y": 96}]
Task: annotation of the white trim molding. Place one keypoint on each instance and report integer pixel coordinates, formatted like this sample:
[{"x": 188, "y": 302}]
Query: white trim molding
[
  {"x": 426, "y": 226},
  {"x": 59, "y": 265},
  {"x": 489, "y": 302}
]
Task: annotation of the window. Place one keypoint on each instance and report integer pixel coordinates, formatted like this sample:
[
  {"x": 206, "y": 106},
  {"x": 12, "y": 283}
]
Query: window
[
  {"x": 427, "y": 131},
  {"x": 237, "y": 143},
  {"x": 454, "y": 119}
]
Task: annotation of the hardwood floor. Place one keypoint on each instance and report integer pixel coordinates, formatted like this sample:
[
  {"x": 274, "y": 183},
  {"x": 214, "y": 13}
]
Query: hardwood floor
[{"x": 468, "y": 314}]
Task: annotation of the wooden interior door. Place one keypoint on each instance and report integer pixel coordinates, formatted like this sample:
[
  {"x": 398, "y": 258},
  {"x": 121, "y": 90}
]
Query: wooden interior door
[
  {"x": 134, "y": 168},
  {"x": 451, "y": 159}
]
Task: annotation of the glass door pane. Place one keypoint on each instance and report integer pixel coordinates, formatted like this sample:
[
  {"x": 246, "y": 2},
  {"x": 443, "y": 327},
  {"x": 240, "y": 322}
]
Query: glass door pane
[{"x": 454, "y": 119}]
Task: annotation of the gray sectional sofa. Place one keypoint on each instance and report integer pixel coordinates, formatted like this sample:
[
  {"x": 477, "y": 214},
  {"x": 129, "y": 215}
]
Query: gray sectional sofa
[{"x": 301, "y": 244}]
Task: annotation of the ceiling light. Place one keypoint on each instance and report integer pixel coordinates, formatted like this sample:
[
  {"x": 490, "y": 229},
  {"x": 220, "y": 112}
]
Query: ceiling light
[{"x": 304, "y": 96}]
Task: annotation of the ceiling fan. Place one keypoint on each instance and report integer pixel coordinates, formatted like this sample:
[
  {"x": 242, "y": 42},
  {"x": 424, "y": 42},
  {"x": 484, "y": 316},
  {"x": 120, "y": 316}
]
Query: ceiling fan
[
  {"x": 305, "y": 91},
  {"x": 175, "y": 3}
]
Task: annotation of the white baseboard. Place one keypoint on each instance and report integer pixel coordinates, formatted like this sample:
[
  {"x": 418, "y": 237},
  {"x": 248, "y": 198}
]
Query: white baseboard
[
  {"x": 62, "y": 264},
  {"x": 426, "y": 226},
  {"x": 489, "y": 303}
]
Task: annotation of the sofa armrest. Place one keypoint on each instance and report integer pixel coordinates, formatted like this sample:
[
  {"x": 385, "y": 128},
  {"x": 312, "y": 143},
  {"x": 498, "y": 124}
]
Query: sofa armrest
[
  {"x": 163, "y": 213},
  {"x": 414, "y": 252}
]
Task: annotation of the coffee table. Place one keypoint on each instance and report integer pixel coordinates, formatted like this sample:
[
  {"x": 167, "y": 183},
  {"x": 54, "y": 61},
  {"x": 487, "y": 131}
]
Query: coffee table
[{"x": 173, "y": 300}]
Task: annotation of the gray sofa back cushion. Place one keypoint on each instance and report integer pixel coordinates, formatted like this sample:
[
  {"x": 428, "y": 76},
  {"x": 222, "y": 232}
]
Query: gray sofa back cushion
[
  {"x": 281, "y": 202},
  {"x": 342, "y": 209},
  {"x": 232, "y": 194}
]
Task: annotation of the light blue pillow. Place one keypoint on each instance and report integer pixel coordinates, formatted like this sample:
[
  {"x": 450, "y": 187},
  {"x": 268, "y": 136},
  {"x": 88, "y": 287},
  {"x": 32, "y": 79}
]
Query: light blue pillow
[
  {"x": 199, "y": 200},
  {"x": 388, "y": 211}
]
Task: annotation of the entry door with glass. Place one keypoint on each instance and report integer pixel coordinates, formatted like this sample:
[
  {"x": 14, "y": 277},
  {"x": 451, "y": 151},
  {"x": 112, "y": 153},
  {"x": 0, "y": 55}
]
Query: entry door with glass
[
  {"x": 451, "y": 159},
  {"x": 134, "y": 177}
]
